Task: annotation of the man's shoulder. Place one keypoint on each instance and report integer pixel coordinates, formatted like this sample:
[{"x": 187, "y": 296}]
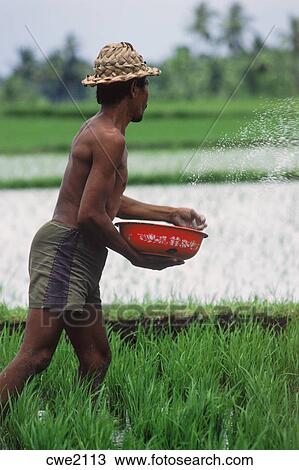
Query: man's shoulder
[
  {"x": 92, "y": 130},
  {"x": 114, "y": 136},
  {"x": 109, "y": 138}
]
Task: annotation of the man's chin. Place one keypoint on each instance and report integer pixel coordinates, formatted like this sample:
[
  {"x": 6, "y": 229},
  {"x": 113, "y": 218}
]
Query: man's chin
[{"x": 137, "y": 119}]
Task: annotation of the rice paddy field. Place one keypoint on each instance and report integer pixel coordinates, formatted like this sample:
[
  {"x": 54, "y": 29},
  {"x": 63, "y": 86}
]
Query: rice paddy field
[
  {"x": 206, "y": 387},
  {"x": 170, "y": 125},
  {"x": 230, "y": 382},
  {"x": 228, "y": 379},
  {"x": 164, "y": 167},
  {"x": 252, "y": 249},
  {"x": 176, "y": 143}
]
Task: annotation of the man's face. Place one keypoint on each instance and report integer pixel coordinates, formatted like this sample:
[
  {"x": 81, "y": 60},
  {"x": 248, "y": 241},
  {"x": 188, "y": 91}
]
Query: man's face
[{"x": 141, "y": 102}]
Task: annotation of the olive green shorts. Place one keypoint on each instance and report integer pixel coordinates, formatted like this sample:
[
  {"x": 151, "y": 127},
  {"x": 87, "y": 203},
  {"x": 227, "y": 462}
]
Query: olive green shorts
[{"x": 64, "y": 269}]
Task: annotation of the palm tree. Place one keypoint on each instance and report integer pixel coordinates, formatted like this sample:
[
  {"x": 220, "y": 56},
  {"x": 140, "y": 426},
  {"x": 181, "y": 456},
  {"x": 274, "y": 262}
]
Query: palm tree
[
  {"x": 70, "y": 49},
  {"x": 294, "y": 35},
  {"x": 233, "y": 27},
  {"x": 202, "y": 21},
  {"x": 27, "y": 63},
  {"x": 294, "y": 43}
]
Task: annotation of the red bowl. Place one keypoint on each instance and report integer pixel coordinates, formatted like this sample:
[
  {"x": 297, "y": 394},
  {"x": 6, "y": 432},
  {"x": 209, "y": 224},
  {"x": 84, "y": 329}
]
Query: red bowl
[{"x": 162, "y": 240}]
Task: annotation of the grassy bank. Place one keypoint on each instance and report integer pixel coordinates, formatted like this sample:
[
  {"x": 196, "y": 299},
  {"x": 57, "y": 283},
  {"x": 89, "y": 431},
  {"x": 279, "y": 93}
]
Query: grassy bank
[
  {"x": 244, "y": 176},
  {"x": 165, "y": 126},
  {"x": 211, "y": 389},
  {"x": 161, "y": 308},
  {"x": 155, "y": 110}
]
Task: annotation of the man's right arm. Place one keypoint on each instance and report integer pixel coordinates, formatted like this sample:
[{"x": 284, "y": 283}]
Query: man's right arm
[{"x": 92, "y": 215}]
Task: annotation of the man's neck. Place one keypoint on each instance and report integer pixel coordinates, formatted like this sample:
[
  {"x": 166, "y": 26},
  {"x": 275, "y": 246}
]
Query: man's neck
[{"x": 118, "y": 114}]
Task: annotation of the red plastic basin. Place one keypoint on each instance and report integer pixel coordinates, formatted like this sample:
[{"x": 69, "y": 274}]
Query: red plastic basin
[{"x": 162, "y": 240}]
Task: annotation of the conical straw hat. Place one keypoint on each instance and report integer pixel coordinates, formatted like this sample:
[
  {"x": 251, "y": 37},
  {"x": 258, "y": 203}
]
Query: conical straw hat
[{"x": 118, "y": 62}]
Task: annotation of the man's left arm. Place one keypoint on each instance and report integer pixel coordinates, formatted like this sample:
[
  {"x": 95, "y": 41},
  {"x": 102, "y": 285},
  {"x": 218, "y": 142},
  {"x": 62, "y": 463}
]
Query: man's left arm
[{"x": 183, "y": 216}]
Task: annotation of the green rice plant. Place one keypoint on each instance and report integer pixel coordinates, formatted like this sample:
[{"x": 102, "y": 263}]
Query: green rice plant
[
  {"x": 264, "y": 402},
  {"x": 55, "y": 411},
  {"x": 156, "y": 109},
  {"x": 166, "y": 125},
  {"x": 12, "y": 314},
  {"x": 206, "y": 388},
  {"x": 154, "y": 307},
  {"x": 55, "y": 133},
  {"x": 184, "y": 400}
]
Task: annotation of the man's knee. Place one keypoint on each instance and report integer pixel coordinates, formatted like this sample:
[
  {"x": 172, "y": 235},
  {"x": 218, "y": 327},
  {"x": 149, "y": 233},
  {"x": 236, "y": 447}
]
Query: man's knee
[
  {"x": 96, "y": 361},
  {"x": 40, "y": 360}
]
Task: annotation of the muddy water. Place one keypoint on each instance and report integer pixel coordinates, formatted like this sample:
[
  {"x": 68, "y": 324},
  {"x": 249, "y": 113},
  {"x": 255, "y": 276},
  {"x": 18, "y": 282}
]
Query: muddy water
[{"x": 252, "y": 249}]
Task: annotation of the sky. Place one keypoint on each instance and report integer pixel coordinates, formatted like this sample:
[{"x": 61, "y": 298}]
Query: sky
[{"x": 154, "y": 27}]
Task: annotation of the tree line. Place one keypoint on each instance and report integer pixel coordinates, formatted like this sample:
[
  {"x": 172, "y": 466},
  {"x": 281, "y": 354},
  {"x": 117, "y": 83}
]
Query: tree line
[{"x": 226, "y": 48}]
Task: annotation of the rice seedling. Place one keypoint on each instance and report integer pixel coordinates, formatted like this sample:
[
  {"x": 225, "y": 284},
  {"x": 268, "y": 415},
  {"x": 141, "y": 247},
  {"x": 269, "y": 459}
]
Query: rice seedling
[
  {"x": 204, "y": 389},
  {"x": 165, "y": 126}
]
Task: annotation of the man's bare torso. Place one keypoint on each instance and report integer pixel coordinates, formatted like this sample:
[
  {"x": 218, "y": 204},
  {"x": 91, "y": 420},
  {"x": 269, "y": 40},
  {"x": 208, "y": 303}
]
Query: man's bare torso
[{"x": 78, "y": 168}]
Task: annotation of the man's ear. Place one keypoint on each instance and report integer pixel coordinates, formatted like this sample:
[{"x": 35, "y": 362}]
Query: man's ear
[{"x": 133, "y": 89}]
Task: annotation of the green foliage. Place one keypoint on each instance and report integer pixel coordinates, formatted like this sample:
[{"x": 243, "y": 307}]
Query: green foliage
[
  {"x": 53, "y": 79},
  {"x": 182, "y": 125},
  {"x": 233, "y": 28},
  {"x": 294, "y": 43},
  {"x": 212, "y": 176},
  {"x": 187, "y": 75},
  {"x": 211, "y": 389},
  {"x": 201, "y": 25},
  {"x": 156, "y": 308}
]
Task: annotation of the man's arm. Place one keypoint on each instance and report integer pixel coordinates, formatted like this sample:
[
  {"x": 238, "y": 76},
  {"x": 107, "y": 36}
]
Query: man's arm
[
  {"x": 132, "y": 209},
  {"x": 92, "y": 216}
]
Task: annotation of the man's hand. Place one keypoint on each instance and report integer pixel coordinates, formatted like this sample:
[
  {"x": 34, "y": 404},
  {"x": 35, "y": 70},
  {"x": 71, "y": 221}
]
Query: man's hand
[
  {"x": 156, "y": 262},
  {"x": 188, "y": 218}
]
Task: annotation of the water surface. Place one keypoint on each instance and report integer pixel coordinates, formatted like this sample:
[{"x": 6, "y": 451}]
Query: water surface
[{"x": 252, "y": 249}]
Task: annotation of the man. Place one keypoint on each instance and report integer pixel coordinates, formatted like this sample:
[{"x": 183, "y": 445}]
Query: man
[{"x": 68, "y": 253}]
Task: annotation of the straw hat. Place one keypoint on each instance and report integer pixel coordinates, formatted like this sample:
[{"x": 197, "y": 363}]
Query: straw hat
[{"x": 118, "y": 62}]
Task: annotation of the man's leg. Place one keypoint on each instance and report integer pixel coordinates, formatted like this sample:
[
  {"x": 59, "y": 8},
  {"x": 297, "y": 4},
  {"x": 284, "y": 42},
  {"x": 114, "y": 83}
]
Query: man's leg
[
  {"x": 42, "y": 333},
  {"x": 88, "y": 336}
]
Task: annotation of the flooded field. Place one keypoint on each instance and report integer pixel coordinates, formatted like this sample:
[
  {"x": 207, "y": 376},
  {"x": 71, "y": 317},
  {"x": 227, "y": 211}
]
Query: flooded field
[
  {"x": 252, "y": 249},
  {"x": 274, "y": 160}
]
